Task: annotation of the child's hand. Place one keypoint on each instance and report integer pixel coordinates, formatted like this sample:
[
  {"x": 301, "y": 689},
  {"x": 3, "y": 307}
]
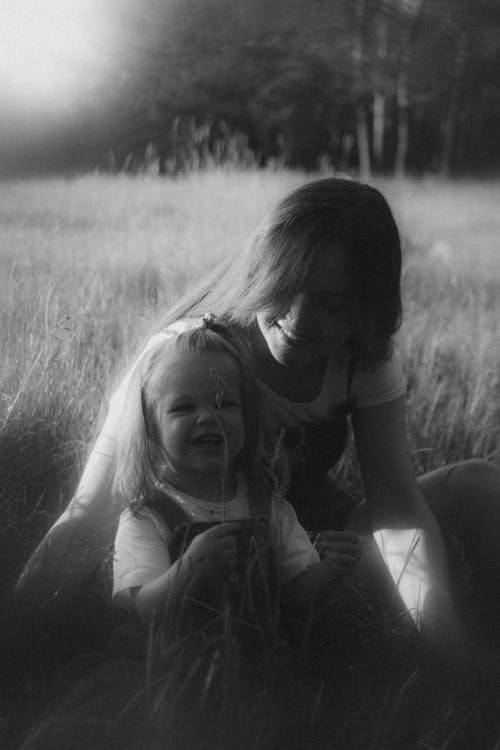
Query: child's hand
[
  {"x": 213, "y": 552},
  {"x": 341, "y": 549}
]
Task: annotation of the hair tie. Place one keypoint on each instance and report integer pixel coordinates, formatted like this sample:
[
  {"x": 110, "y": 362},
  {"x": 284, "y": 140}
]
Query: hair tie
[{"x": 208, "y": 320}]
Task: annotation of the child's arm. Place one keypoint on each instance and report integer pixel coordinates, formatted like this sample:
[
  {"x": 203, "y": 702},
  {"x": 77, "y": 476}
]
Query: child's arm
[
  {"x": 306, "y": 581},
  {"x": 201, "y": 570}
]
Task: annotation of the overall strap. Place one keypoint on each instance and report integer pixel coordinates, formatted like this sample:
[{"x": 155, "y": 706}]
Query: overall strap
[
  {"x": 177, "y": 521},
  {"x": 170, "y": 512},
  {"x": 351, "y": 369}
]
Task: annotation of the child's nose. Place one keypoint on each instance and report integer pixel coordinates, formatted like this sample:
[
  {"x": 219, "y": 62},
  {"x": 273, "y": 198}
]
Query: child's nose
[{"x": 206, "y": 414}]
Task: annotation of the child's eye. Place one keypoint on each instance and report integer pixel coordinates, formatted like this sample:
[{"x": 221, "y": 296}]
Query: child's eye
[{"x": 180, "y": 408}]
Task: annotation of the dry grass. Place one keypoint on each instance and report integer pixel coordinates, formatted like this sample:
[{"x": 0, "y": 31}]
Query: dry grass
[{"x": 88, "y": 263}]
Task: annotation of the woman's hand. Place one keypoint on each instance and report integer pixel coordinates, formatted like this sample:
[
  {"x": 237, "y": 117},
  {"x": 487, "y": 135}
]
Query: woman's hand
[
  {"x": 212, "y": 554},
  {"x": 341, "y": 549},
  {"x": 311, "y": 590}
]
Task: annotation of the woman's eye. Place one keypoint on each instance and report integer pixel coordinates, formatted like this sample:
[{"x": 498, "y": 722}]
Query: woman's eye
[{"x": 335, "y": 307}]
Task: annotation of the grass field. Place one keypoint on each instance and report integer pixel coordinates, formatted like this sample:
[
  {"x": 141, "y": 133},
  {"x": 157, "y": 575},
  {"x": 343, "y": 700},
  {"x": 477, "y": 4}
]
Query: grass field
[{"x": 86, "y": 264}]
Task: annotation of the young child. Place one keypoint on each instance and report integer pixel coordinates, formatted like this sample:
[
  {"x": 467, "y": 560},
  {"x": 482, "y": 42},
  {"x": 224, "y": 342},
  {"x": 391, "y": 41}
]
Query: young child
[{"x": 190, "y": 451}]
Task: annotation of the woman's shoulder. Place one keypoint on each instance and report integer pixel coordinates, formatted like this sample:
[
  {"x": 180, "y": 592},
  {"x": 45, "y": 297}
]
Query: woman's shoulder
[
  {"x": 170, "y": 331},
  {"x": 377, "y": 383},
  {"x": 179, "y": 326},
  {"x": 135, "y": 516},
  {"x": 282, "y": 511}
]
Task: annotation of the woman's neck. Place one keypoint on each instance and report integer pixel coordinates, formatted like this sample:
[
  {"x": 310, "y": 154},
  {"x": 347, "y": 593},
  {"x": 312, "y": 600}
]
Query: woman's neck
[{"x": 299, "y": 384}]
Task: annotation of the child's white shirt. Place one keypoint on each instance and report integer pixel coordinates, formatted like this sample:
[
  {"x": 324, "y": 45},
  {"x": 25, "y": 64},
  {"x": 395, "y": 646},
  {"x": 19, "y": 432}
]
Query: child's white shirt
[{"x": 141, "y": 544}]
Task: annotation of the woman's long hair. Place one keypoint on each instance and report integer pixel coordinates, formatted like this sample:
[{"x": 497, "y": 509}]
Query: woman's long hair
[
  {"x": 140, "y": 460},
  {"x": 269, "y": 273}
]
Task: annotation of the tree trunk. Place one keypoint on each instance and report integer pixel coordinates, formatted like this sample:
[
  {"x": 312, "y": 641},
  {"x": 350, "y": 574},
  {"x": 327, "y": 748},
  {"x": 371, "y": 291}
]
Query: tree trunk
[
  {"x": 450, "y": 126},
  {"x": 347, "y": 146},
  {"x": 402, "y": 100},
  {"x": 378, "y": 128},
  {"x": 363, "y": 142},
  {"x": 411, "y": 11},
  {"x": 379, "y": 93},
  {"x": 357, "y": 64}
]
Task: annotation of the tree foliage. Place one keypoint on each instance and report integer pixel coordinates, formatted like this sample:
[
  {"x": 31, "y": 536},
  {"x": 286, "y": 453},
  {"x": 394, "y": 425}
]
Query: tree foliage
[{"x": 386, "y": 85}]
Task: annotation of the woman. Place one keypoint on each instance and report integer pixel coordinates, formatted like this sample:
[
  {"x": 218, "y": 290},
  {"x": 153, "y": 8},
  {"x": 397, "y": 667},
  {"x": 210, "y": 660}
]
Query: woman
[{"x": 317, "y": 295}]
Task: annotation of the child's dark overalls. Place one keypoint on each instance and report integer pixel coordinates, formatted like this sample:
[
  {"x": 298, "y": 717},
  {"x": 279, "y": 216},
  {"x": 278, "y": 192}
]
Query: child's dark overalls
[{"x": 254, "y": 582}]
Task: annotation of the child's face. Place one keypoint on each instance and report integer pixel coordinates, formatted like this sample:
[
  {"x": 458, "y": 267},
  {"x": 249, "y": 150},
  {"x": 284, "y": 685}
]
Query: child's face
[
  {"x": 198, "y": 402},
  {"x": 317, "y": 323}
]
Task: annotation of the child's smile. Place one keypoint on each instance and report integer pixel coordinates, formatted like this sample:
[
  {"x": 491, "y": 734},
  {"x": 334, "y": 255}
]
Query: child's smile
[
  {"x": 199, "y": 414},
  {"x": 209, "y": 439}
]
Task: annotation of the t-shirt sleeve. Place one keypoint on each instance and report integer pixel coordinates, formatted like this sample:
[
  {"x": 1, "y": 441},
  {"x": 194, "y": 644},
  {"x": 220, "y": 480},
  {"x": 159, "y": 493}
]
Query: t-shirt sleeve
[
  {"x": 141, "y": 555},
  {"x": 379, "y": 385},
  {"x": 291, "y": 543},
  {"x": 117, "y": 400},
  {"x": 93, "y": 492}
]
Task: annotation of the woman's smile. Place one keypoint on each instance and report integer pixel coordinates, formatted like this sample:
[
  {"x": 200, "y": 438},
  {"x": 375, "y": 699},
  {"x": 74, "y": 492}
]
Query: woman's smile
[{"x": 294, "y": 337}]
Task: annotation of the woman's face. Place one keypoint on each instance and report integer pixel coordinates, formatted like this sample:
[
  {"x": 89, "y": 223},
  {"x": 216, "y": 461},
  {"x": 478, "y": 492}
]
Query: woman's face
[{"x": 316, "y": 324}]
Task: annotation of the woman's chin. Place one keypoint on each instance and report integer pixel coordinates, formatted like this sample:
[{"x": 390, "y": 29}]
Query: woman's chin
[
  {"x": 300, "y": 359},
  {"x": 300, "y": 354}
]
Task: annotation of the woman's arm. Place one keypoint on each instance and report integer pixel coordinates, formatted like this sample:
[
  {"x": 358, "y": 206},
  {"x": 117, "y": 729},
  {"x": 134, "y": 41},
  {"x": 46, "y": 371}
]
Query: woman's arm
[
  {"x": 403, "y": 527},
  {"x": 73, "y": 548}
]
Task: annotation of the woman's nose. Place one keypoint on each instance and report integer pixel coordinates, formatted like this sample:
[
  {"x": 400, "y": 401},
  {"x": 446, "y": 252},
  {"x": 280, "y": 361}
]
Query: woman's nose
[{"x": 300, "y": 314}]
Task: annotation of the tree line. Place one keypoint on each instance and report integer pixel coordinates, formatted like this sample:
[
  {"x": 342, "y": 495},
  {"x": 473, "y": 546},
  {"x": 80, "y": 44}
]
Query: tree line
[{"x": 387, "y": 86}]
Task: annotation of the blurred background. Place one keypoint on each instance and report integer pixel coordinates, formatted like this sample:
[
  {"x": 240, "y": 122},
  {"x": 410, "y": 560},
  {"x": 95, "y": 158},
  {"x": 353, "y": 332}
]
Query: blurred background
[
  {"x": 142, "y": 141},
  {"x": 368, "y": 86}
]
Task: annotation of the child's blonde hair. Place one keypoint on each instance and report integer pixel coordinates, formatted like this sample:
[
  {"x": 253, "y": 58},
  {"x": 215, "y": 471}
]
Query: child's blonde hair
[{"x": 136, "y": 474}]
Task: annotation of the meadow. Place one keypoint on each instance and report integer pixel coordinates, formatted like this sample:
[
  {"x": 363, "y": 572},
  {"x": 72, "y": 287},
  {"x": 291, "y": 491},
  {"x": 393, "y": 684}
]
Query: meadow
[{"x": 88, "y": 263}]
